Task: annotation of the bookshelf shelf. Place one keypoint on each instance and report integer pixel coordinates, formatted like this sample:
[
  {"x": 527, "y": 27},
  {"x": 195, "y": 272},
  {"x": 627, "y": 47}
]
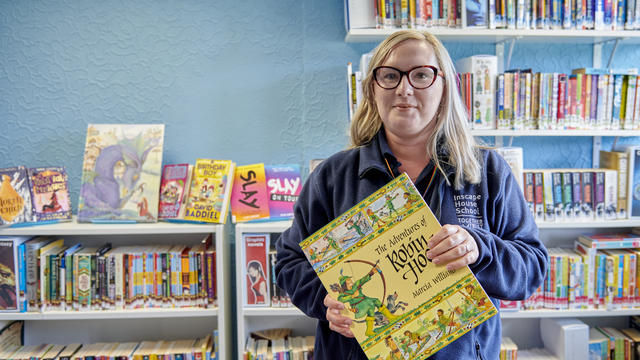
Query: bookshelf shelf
[
  {"x": 270, "y": 311},
  {"x": 111, "y": 314},
  {"x": 75, "y": 228},
  {"x": 537, "y": 314},
  {"x": 494, "y": 132},
  {"x": 590, "y": 225},
  {"x": 133, "y": 324},
  {"x": 499, "y": 35}
]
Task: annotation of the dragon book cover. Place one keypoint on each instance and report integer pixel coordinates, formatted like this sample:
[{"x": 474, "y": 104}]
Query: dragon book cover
[
  {"x": 373, "y": 259},
  {"x": 121, "y": 173}
]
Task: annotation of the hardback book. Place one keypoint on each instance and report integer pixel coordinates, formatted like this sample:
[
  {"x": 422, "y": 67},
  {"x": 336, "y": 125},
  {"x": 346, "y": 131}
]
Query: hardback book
[
  {"x": 50, "y": 193},
  {"x": 255, "y": 268},
  {"x": 174, "y": 187},
  {"x": 10, "y": 298},
  {"x": 210, "y": 191},
  {"x": 485, "y": 71},
  {"x": 249, "y": 196},
  {"x": 598, "y": 345},
  {"x": 15, "y": 196},
  {"x": 121, "y": 173},
  {"x": 284, "y": 184},
  {"x": 382, "y": 242}
]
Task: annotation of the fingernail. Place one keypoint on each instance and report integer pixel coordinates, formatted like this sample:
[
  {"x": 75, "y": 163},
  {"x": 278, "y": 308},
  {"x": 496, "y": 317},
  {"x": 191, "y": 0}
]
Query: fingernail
[
  {"x": 436, "y": 261},
  {"x": 429, "y": 255}
]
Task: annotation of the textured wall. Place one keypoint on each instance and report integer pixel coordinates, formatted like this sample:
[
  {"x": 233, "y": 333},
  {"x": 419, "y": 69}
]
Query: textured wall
[{"x": 251, "y": 81}]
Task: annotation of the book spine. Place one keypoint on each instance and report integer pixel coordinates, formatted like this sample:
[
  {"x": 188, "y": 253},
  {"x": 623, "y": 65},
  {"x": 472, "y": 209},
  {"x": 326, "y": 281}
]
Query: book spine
[
  {"x": 567, "y": 196},
  {"x": 22, "y": 277},
  {"x": 558, "y": 204},
  {"x": 577, "y": 196},
  {"x": 549, "y": 211},
  {"x": 538, "y": 196},
  {"x": 598, "y": 195}
]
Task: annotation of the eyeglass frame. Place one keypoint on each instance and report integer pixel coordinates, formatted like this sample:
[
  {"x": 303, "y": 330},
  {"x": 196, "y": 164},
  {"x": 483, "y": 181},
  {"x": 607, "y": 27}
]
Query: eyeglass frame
[{"x": 406, "y": 73}]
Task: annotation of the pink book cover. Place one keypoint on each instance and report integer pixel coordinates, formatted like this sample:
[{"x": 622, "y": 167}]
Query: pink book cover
[
  {"x": 255, "y": 269},
  {"x": 283, "y": 183},
  {"x": 175, "y": 179},
  {"x": 249, "y": 196}
]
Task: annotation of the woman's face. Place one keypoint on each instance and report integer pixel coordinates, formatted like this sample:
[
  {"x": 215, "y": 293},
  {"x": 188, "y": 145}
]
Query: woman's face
[
  {"x": 407, "y": 113},
  {"x": 253, "y": 272}
]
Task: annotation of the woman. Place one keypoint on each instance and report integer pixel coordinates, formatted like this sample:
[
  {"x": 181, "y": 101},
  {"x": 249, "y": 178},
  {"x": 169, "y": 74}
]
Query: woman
[
  {"x": 412, "y": 120},
  {"x": 258, "y": 281}
]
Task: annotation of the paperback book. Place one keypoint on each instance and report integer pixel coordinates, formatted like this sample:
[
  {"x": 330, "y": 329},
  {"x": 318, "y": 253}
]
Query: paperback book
[
  {"x": 50, "y": 193},
  {"x": 121, "y": 173},
  {"x": 210, "y": 191},
  {"x": 15, "y": 196},
  {"x": 283, "y": 183},
  {"x": 249, "y": 197},
  {"x": 383, "y": 241},
  {"x": 173, "y": 189}
]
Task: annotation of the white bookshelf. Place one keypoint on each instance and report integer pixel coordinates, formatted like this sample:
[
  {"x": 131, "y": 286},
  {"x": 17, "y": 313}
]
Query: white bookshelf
[
  {"x": 251, "y": 319},
  {"x": 500, "y": 35},
  {"x": 63, "y": 327}
]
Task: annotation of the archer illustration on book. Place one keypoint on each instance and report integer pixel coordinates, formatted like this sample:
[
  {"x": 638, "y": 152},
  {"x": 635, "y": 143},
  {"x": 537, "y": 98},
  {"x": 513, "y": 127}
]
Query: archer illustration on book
[{"x": 371, "y": 308}]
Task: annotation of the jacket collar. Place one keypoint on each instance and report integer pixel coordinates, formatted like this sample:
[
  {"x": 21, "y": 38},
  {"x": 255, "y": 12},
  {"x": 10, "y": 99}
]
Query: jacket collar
[{"x": 372, "y": 156}]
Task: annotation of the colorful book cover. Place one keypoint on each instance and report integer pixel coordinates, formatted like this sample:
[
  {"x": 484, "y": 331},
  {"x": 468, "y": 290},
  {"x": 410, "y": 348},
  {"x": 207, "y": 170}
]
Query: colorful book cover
[
  {"x": 50, "y": 193},
  {"x": 121, "y": 173},
  {"x": 633, "y": 182},
  {"x": 284, "y": 184},
  {"x": 255, "y": 265},
  {"x": 210, "y": 191},
  {"x": 9, "y": 268},
  {"x": 381, "y": 242},
  {"x": 15, "y": 196},
  {"x": 173, "y": 188},
  {"x": 249, "y": 196}
]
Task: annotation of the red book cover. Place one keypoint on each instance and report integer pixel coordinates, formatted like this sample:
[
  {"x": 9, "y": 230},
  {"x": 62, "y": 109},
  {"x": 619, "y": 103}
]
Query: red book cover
[
  {"x": 562, "y": 97},
  {"x": 538, "y": 197},
  {"x": 255, "y": 268}
]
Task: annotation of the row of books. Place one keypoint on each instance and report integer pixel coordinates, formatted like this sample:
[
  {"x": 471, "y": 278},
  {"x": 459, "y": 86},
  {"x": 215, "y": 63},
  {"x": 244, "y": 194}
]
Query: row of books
[
  {"x": 258, "y": 264},
  {"x": 44, "y": 274},
  {"x": 601, "y": 272},
  {"x": 189, "y": 349},
  {"x": 290, "y": 348},
  {"x": 587, "y": 98},
  {"x": 492, "y": 14},
  {"x": 573, "y": 195}
]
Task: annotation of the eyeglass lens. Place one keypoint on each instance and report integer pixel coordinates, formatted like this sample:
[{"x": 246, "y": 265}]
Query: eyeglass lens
[{"x": 419, "y": 78}]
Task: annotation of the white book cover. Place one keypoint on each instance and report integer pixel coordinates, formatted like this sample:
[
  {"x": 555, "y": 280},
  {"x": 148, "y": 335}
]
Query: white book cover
[
  {"x": 565, "y": 338},
  {"x": 485, "y": 71}
]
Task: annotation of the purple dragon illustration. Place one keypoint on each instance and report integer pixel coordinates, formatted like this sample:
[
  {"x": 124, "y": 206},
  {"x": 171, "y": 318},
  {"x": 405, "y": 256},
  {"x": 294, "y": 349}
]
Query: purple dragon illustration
[{"x": 101, "y": 194}]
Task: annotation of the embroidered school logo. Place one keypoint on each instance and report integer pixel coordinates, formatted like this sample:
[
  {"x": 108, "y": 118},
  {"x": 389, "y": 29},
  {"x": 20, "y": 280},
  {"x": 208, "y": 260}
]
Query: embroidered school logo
[{"x": 468, "y": 210}]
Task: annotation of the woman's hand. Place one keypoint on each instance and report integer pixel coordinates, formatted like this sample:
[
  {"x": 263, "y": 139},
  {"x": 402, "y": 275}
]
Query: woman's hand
[
  {"x": 337, "y": 322},
  {"x": 452, "y": 245}
]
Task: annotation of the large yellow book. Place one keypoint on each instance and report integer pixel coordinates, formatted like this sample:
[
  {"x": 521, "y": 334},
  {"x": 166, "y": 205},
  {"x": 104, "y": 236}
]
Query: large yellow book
[{"x": 373, "y": 259}]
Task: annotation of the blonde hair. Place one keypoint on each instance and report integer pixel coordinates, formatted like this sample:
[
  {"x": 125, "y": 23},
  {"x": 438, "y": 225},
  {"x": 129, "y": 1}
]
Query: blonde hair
[{"x": 450, "y": 131}]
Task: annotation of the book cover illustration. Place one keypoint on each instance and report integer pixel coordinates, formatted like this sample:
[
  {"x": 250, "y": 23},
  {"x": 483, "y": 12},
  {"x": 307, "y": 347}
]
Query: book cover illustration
[
  {"x": 284, "y": 183},
  {"x": 50, "y": 193},
  {"x": 15, "y": 196},
  {"x": 210, "y": 191},
  {"x": 174, "y": 184},
  {"x": 249, "y": 196},
  {"x": 121, "y": 173},
  {"x": 383, "y": 241},
  {"x": 8, "y": 275},
  {"x": 255, "y": 265}
]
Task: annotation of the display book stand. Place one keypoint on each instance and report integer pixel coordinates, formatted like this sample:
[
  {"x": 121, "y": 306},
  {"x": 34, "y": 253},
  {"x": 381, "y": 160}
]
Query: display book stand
[{"x": 60, "y": 327}]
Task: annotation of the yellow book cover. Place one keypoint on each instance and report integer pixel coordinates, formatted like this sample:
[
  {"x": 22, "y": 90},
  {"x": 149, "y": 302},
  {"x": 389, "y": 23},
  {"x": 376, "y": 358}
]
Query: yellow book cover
[
  {"x": 373, "y": 259},
  {"x": 210, "y": 191}
]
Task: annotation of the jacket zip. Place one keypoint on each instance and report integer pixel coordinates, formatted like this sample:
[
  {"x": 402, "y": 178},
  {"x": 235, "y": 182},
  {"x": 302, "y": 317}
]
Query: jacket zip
[{"x": 478, "y": 353}]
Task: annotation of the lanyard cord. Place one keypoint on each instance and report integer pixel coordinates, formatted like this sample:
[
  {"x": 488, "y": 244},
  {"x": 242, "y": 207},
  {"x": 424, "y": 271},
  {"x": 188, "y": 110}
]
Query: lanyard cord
[{"x": 433, "y": 173}]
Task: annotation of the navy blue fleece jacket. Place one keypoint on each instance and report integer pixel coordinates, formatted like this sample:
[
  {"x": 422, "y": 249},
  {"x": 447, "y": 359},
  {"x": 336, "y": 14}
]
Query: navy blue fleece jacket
[{"x": 512, "y": 261}]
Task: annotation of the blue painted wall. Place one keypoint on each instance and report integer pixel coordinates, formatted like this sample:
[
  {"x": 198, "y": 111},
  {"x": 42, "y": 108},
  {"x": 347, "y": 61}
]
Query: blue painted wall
[{"x": 250, "y": 81}]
